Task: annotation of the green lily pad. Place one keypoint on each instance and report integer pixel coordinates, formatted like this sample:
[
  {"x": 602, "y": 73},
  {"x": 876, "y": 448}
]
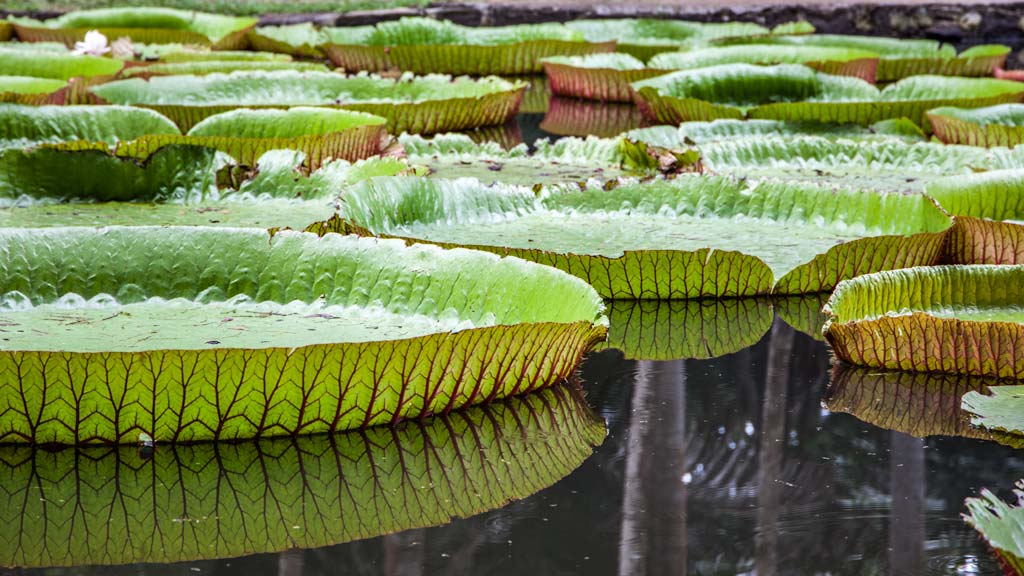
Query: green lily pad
[
  {"x": 645, "y": 37},
  {"x": 425, "y": 46},
  {"x": 917, "y": 404},
  {"x": 690, "y": 237},
  {"x": 999, "y": 410},
  {"x": 179, "y": 185},
  {"x": 1001, "y": 125},
  {"x": 172, "y": 55},
  {"x": 355, "y": 485},
  {"x": 989, "y": 215},
  {"x": 28, "y": 89},
  {"x": 203, "y": 67},
  {"x": 423, "y": 105},
  {"x": 160, "y": 331},
  {"x": 604, "y": 77},
  {"x": 148, "y": 25},
  {"x": 1002, "y": 526},
  {"x": 57, "y": 65},
  {"x": 902, "y": 58},
  {"x": 23, "y": 126},
  {"x": 702, "y": 133},
  {"x": 302, "y": 40},
  {"x": 870, "y": 162},
  {"x": 677, "y": 329},
  {"x": 949, "y": 319},
  {"x": 793, "y": 92}
]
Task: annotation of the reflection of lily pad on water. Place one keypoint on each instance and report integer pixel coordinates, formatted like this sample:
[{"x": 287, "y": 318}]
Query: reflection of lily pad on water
[
  {"x": 1002, "y": 526},
  {"x": 148, "y": 25},
  {"x": 950, "y": 319},
  {"x": 571, "y": 117},
  {"x": 674, "y": 329},
  {"x": 803, "y": 313},
  {"x": 426, "y": 46},
  {"x": 425, "y": 104},
  {"x": 689, "y": 237},
  {"x": 793, "y": 92},
  {"x": 917, "y": 404},
  {"x": 98, "y": 506},
  {"x": 161, "y": 331}
]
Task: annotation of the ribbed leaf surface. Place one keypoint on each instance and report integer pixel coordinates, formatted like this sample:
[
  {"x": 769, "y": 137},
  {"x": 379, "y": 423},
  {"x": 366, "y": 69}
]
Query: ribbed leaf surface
[
  {"x": 951, "y": 319},
  {"x": 359, "y": 332}
]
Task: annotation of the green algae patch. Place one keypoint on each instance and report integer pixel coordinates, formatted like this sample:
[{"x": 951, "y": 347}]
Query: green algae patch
[
  {"x": 427, "y": 46},
  {"x": 422, "y": 105},
  {"x": 147, "y": 25},
  {"x": 798, "y": 93},
  {"x": 355, "y": 485},
  {"x": 948, "y": 319},
  {"x": 689, "y": 237},
  {"x": 478, "y": 322}
]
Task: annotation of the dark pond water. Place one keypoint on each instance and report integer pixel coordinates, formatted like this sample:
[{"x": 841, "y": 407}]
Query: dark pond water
[{"x": 733, "y": 464}]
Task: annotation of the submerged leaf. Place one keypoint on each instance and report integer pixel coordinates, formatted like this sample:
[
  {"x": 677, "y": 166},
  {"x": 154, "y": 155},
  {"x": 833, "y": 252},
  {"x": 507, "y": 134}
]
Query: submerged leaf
[
  {"x": 355, "y": 485},
  {"x": 951, "y": 319},
  {"x": 627, "y": 243},
  {"x": 174, "y": 338}
]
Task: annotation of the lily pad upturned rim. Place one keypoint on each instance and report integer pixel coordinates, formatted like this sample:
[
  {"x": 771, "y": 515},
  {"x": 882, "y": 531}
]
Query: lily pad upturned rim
[
  {"x": 889, "y": 320},
  {"x": 495, "y": 358},
  {"x": 376, "y": 207}
]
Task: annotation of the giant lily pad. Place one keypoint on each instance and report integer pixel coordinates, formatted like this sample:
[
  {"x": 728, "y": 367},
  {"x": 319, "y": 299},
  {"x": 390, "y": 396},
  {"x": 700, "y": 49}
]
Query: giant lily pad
[
  {"x": 320, "y": 133},
  {"x": 172, "y": 338},
  {"x": 793, "y": 92},
  {"x": 989, "y": 209},
  {"x": 141, "y": 24},
  {"x": 425, "y": 105},
  {"x": 644, "y": 37},
  {"x": 1001, "y": 125},
  {"x": 425, "y": 45},
  {"x": 999, "y": 411},
  {"x": 917, "y": 404},
  {"x": 179, "y": 185},
  {"x": 676, "y": 329},
  {"x": 690, "y": 237},
  {"x": 950, "y": 319},
  {"x": 704, "y": 133},
  {"x": 22, "y": 126},
  {"x": 901, "y": 58},
  {"x": 608, "y": 76},
  {"x": 1002, "y": 526},
  {"x": 28, "y": 89},
  {"x": 302, "y": 39},
  {"x": 56, "y": 65},
  {"x": 230, "y": 500},
  {"x": 883, "y": 165},
  {"x": 203, "y": 67}
]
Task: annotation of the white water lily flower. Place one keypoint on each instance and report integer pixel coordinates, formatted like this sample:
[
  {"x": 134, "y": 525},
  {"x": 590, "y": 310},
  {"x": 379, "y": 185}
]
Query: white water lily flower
[
  {"x": 95, "y": 44},
  {"x": 122, "y": 48}
]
